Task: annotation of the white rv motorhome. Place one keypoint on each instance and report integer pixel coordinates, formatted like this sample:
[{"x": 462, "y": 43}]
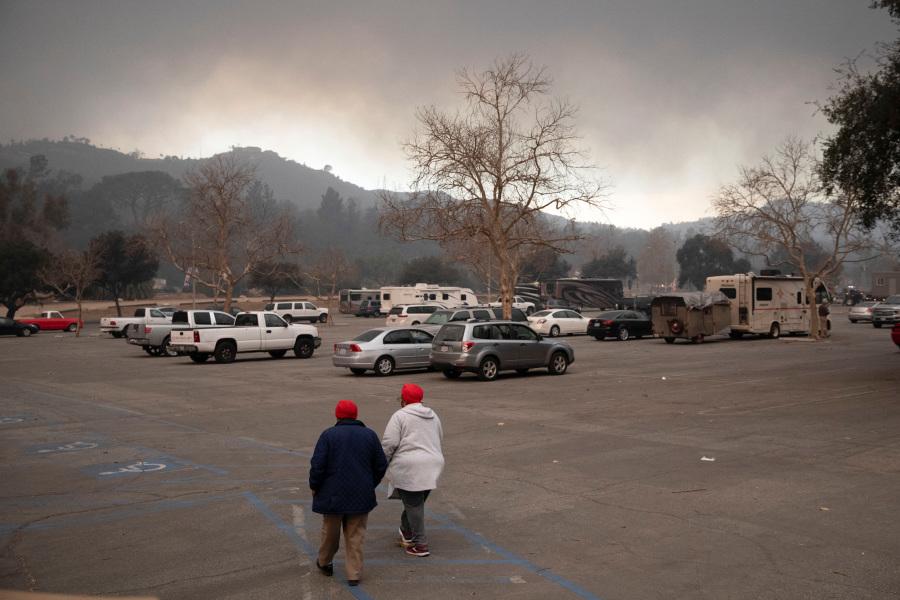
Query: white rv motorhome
[
  {"x": 768, "y": 304},
  {"x": 423, "y": 293}
]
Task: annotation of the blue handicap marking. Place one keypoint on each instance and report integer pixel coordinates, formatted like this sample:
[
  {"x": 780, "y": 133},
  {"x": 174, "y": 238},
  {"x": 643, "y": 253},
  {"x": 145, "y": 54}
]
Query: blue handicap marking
[
  {"x": 63, "y": 448},
  {"x": 123, "y": 469}
]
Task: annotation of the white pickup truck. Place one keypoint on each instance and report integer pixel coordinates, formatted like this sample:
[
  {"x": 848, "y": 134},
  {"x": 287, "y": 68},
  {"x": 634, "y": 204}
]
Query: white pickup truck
[
  {"x": 156, "y": 338},
  {"x": 518, "y": 302},
  {"x": 257, "y": 331},
  {"x": 115, "y": 326}
]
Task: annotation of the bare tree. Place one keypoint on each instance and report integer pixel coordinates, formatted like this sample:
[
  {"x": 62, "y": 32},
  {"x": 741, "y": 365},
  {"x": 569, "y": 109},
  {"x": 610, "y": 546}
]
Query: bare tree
[
  {"x": 71, "y": 272},
  {"x": 222, "y": 235},
  {"x": 775, "y": 209},
  {"x": 656, "y": 263},
  {"x": 484, "y": 176},
  {"x": 329, "y": 270}
]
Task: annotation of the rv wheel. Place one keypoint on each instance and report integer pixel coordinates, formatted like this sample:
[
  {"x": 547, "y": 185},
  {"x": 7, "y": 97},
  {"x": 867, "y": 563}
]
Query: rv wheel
[{"x": 774, "y": 331}]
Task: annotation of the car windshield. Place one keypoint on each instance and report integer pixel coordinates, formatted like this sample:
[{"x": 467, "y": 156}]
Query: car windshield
[
  {"x": 437, "y": 318},
  {"x": 450, "y": 333},
  {"x": 610, "y": 314},
  {"x": 368, "y": 336},
  {"x": 542, "y": 313}
]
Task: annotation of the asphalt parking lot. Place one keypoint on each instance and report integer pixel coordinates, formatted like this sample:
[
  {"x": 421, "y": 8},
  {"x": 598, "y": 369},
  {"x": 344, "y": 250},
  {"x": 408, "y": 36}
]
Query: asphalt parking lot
[{"x": 729, "y": 469}]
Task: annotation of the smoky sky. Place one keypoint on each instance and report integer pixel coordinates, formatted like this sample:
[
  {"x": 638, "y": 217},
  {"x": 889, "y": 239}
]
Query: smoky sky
[{"x": 673, "y": 95}]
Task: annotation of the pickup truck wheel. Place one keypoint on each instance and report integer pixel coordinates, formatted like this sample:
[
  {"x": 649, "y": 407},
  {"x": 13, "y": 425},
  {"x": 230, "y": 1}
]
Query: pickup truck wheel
[
  {"x": 277, "y": 353},
  {"x": 323, "y": 318},
  {"x": 558, "y": 363},
  {"x": 199, "y": 357},
  {"x": 225, "y": 352},
  {"x": 529, "y": 311},
  {"x": 304, "y": 348},
  {"x": 72, "y": 327},
  {"x": 148, "y": 350},
  {"x": 488, "y": 369},
  {"x": 117, "y": 334},
  {"x": 165, "y": 350},
  {"x": 384, "y": 366}
]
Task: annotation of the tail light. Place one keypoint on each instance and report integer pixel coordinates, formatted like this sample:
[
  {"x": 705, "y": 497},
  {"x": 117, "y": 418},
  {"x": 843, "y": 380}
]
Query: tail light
[
  {"x": 196, "y": 337},
  {"x": 113, "y": 323},
  {"x": 355, "y": 348},
  {"x": 147, "y": 329},
  {"x": 466, "y": 346}
]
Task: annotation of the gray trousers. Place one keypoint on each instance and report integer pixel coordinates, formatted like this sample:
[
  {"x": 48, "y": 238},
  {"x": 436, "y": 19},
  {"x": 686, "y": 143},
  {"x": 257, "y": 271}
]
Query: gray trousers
[{"x": 413, "y": 517}]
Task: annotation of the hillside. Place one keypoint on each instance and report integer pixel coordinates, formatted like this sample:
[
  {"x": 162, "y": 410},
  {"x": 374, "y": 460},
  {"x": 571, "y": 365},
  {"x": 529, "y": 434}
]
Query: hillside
[{"x": 288, "y": 179}]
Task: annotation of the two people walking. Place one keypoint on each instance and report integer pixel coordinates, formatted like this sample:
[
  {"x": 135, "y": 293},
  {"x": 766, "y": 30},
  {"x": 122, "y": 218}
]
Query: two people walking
[{"x": 349, "y": 463}]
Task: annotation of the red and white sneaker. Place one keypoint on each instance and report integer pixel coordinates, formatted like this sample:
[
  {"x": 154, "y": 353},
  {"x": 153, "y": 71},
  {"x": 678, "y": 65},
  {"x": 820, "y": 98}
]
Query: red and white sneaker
[{"x": 418, "y": 550}]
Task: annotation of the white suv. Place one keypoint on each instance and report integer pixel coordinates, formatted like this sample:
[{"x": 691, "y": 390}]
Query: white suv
[
  {"x": 410, "y": 314},
  {"x": 299, "y": 311}
]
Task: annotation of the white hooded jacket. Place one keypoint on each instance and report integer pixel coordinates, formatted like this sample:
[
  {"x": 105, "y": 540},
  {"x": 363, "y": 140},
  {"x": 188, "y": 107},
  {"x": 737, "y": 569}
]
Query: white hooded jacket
[{"x": 412, "y": 445}]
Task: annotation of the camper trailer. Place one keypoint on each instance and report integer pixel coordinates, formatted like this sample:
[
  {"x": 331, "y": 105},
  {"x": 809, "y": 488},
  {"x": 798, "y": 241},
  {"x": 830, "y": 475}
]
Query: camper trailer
[
  {"x": 423, "y": 293},
  {"x": 767, "y": 304}
]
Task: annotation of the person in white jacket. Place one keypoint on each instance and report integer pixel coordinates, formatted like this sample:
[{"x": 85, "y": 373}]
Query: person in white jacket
[{"x": 412, "y": 446}]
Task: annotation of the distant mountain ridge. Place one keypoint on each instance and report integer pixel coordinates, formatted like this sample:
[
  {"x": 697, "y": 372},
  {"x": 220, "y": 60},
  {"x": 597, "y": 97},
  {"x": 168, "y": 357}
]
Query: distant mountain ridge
[{"x": 289, "y": 180}]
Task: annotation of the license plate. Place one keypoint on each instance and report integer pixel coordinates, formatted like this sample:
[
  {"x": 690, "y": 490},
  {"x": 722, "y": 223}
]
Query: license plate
[
  {"x": 342, "y": 351},
  {"x": 445, "y": 348}
]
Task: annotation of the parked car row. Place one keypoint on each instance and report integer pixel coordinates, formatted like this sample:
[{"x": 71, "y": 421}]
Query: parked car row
[{"x": 482, "y": 347}]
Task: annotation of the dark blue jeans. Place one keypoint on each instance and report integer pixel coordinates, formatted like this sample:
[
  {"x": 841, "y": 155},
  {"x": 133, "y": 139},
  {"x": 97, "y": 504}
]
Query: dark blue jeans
[{"x": 413, "y": 517}]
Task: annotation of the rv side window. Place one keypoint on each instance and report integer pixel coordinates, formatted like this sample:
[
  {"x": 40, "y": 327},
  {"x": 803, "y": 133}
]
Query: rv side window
[
  {"x": 764, "y": 294},
  {"x": 353, "y": 297},
  {"x": 462, "y": 297},
  {"x": 386, "y": 296},
  {"x": 729, "y": 292},
  {"x": 799, "y": 297},
  {"x": 445, "y": 296}
]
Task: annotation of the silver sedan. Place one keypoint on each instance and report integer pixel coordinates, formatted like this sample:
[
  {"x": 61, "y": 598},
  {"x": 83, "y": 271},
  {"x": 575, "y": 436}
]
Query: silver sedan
[{"x": 384, "y": 350}]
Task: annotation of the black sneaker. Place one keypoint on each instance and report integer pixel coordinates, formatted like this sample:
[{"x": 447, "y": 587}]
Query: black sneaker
[
  {"x": 406, "y": 536},
  {"x": 418, "y": 550},
  {"x": 328, "y": 569}
]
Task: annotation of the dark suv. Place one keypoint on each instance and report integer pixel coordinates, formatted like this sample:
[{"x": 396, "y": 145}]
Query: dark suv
[
  {"x": 488, "y": 347},
  {"x": 369, "y": 308}
]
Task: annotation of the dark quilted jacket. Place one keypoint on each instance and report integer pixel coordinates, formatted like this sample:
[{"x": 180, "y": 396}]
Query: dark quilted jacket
[{"x": 347, "y": 464}]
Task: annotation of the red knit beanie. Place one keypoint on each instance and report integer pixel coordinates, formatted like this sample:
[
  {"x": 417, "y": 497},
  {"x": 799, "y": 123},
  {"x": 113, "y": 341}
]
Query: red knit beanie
[
  {"x": 345, "y": 410},
  {"x": 411, "y": 393}
]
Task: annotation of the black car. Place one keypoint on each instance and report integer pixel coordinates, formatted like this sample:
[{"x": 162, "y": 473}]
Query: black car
[
  {"x": 11, "y": 327},
  {"x": 553, "y": 304},
  {"x": 621, "y": 324},
  {"x": 369, "y": 308}
]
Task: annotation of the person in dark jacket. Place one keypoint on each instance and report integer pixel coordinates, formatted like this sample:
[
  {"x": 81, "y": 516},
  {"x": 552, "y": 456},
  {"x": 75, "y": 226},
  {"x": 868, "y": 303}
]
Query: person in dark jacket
[{"x": 346, "y": 467}]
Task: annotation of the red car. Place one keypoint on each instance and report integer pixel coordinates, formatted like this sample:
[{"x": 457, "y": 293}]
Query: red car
[
  {"x": 895, "y": 333},
  {"x": 54, "y": 320}
]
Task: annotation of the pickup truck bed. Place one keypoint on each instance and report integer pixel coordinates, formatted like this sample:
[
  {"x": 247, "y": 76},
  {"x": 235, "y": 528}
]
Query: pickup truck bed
[{"x": 156, "y": 339}]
